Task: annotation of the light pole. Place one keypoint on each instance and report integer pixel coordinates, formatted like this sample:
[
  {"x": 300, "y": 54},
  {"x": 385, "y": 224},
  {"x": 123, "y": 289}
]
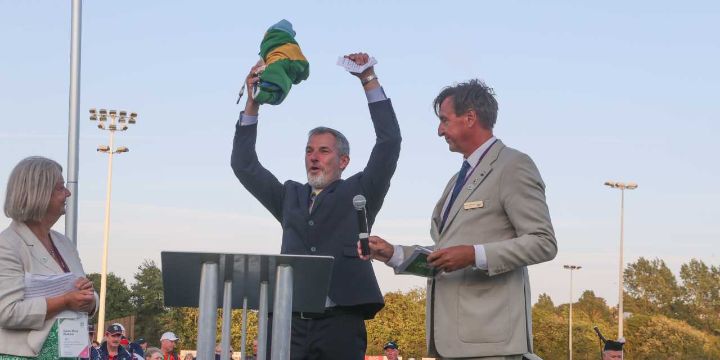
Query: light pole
[
  {"x": 622, "y": 187},
  {"x": 118, "y": 121},
  {"x": 571, "y": 268}
]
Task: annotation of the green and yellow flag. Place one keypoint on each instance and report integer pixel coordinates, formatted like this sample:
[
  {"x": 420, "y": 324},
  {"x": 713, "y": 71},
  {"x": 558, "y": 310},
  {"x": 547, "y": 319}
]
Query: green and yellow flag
[{"x": 285, "y": 64}]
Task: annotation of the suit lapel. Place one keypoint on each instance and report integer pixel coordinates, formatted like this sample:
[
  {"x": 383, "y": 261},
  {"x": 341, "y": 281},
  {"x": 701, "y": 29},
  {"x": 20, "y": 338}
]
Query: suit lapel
[
  {"x": 437, "y": 212},
  {"x": 304, "y": 198},
  {"x": 37, "y": 249},
  {"x": 324, "y": 194},
  {"x": 481, "y": 172},
  {"x": 67, "y": 254}
]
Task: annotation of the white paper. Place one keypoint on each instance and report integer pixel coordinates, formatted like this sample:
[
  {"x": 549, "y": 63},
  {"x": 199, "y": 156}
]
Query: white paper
[
  {"x": 352, "y": 67},
  {"x": 48, "y": 285},
  {"x": 73, "y": 336}
]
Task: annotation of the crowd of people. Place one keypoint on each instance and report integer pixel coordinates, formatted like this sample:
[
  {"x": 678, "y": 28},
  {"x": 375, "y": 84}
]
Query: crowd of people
[{"x": 117, "y": 346}]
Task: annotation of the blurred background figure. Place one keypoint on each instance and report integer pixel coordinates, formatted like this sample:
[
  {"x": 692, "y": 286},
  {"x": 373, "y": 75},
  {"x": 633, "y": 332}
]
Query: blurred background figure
[
  {"x": 391, "y": 350},
  {"x": 153, "y": 353}
]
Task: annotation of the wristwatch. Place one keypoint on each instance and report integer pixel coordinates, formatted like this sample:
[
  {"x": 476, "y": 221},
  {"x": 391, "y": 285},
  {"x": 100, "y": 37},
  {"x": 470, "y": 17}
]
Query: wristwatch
[{"x": 364, "y": 81}]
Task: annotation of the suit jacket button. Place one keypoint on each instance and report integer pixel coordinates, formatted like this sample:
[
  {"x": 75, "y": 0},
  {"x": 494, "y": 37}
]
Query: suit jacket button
[
  {"x": 313, "y": 249},
  {"x": 311, "y": 223}
]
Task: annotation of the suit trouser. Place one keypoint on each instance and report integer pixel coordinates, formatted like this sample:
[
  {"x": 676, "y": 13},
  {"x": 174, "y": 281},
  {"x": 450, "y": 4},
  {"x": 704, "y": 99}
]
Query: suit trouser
[{"x": 341, "y": 336}]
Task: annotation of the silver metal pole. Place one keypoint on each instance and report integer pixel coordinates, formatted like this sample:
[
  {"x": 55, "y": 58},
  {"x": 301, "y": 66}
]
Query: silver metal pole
[
  {"x": 282, "y": 314},
  {"x": 262, "y": 321},
  {"x": 74, "y": 122},
  {"x": 621, "y": 277},
  {"x": 243, "y": 345},
  {"x": 570, "y": 322},
  {"x": 227, "y": 319},
  {"x": 207, "y": 319},
  {"x": 106, "y": 241}
]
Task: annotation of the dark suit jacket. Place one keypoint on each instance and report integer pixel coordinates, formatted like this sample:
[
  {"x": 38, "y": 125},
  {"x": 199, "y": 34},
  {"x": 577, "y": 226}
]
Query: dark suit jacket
[{"x": 332, "y": 227}]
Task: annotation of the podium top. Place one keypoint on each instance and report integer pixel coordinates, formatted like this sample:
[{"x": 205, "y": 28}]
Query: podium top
[{"x": 311, "y": 278}]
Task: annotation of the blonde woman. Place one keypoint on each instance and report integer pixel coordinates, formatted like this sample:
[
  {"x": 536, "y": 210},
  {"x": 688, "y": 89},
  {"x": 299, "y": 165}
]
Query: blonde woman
[
  {"x": 35, "y": 200},
  {"x": 153, "y": 353}
]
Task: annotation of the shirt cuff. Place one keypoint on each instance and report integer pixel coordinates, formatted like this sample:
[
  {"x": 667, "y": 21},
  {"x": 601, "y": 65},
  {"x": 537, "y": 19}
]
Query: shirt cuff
[
  {"x": 375, "y": 95},
  {"x": 480, "y": 257},
  {"x": 245, "y": 120},
  {"x": 397, "y": 258}
]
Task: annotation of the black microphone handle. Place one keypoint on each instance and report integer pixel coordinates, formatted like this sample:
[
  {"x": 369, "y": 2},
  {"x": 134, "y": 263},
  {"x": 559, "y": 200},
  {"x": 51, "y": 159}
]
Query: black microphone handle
[{"x": 364, "y": 232}]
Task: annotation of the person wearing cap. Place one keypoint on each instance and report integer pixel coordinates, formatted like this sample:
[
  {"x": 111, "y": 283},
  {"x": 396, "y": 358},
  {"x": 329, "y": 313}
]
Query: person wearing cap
[
  {"x": 138, "y": 347},
  {"x": 318, "y": 217},
  {"x": 391, "y": 350},
  {"x": 613, "y": 350},
  {"x": 168, "y": 340},
  {"x": 111, "y": 348}
]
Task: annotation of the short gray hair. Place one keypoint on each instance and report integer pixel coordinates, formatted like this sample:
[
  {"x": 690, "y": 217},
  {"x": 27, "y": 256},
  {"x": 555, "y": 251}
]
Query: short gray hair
[
  {"x": 30, "y": 187},
  {"x": 341, "y": 142}
]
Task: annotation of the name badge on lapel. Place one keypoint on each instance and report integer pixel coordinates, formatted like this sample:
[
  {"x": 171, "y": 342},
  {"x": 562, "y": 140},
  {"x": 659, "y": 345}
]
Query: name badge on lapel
[{"x": 473, "y": 205}]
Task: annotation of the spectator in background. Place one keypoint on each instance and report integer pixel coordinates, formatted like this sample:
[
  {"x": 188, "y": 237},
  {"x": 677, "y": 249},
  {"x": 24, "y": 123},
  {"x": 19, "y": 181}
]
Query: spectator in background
[
  {"x": 613, "y": 350},
  {"x": 110, "y": 349},
  {"x": 168, "y": 341},
  {"x": 153, "y": 353},
  {"x": 138, "y": 347},
  {"x": 391, "y": 350}
]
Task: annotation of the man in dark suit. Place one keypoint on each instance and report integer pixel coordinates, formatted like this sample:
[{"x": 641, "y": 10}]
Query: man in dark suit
[{"x": 318, "y": 217}]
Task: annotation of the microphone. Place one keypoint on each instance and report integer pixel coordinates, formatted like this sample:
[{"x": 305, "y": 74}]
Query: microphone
[{"x": 363, "y": 230}]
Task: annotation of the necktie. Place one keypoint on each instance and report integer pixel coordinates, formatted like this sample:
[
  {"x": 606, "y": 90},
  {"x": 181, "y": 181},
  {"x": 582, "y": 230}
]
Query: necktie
[
  {"x": 312, "y": 200},
  {"x": 459, "y": 182}
]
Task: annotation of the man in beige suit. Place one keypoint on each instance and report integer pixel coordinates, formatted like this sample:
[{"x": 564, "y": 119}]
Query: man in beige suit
[{"x": 490, "y": 223}]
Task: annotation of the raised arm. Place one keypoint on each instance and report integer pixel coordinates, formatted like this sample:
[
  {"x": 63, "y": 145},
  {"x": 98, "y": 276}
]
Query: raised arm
[
  {"x": 259, "y": 181},
  {"x": 380, "y": 168}
]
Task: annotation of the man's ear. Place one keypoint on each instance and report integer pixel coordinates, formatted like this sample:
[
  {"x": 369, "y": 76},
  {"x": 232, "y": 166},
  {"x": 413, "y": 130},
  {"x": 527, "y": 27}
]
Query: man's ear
[
  {"x": 344, "y": 161},
  {"x": 470, "y": 118}
]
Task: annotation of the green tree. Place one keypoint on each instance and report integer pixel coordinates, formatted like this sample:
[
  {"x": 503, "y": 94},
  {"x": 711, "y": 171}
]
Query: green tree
[
  {"x": 652, "y": 288},
  {"x": 117, "y": 297},
  {"x": 544, "y": 303},
  {"x": 147, "y": 298},
  {"x": 592, "y": 308},
  {"x": 403, "y": 320},
  {"x": 702, "y": 294},
  {"x": 659, "y": 337}
]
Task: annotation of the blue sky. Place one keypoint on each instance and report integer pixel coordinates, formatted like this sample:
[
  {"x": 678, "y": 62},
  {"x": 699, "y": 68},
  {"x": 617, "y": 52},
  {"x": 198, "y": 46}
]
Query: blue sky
[{"x": 592, "y": 92}]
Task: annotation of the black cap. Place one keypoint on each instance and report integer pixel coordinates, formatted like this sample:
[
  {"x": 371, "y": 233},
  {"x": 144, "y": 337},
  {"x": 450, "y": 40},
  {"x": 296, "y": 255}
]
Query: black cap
[
  {"x": 114, "y": 329},
  {"x": 613, "y": 345},
  {"x": 140, "y": 341},
  {"x": 390, "y": 345}
]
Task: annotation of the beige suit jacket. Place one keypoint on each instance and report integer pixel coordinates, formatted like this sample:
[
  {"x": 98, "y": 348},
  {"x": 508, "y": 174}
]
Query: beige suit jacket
[
  {"x": 23, "y": 327},
  {"x": 479, "y": 313}
]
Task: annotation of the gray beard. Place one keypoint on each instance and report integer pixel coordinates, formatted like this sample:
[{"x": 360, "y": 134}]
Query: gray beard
[{"x": 318, "y": 181}]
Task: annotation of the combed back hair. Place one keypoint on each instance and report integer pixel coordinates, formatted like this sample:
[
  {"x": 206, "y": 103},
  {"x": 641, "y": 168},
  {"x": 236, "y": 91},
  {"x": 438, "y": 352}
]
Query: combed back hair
[
  {"x": 341, "y": 142},
  {"x": 30, "y": 187},
  {"x": 471, "y": 95}
]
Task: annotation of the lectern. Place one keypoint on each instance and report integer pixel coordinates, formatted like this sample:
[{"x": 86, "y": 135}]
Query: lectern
[{"x": 297, "y": 283}]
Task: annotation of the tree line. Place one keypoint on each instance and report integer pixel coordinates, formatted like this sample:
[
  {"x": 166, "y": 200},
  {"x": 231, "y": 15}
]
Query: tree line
[{"x": 665, "y": 318}]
